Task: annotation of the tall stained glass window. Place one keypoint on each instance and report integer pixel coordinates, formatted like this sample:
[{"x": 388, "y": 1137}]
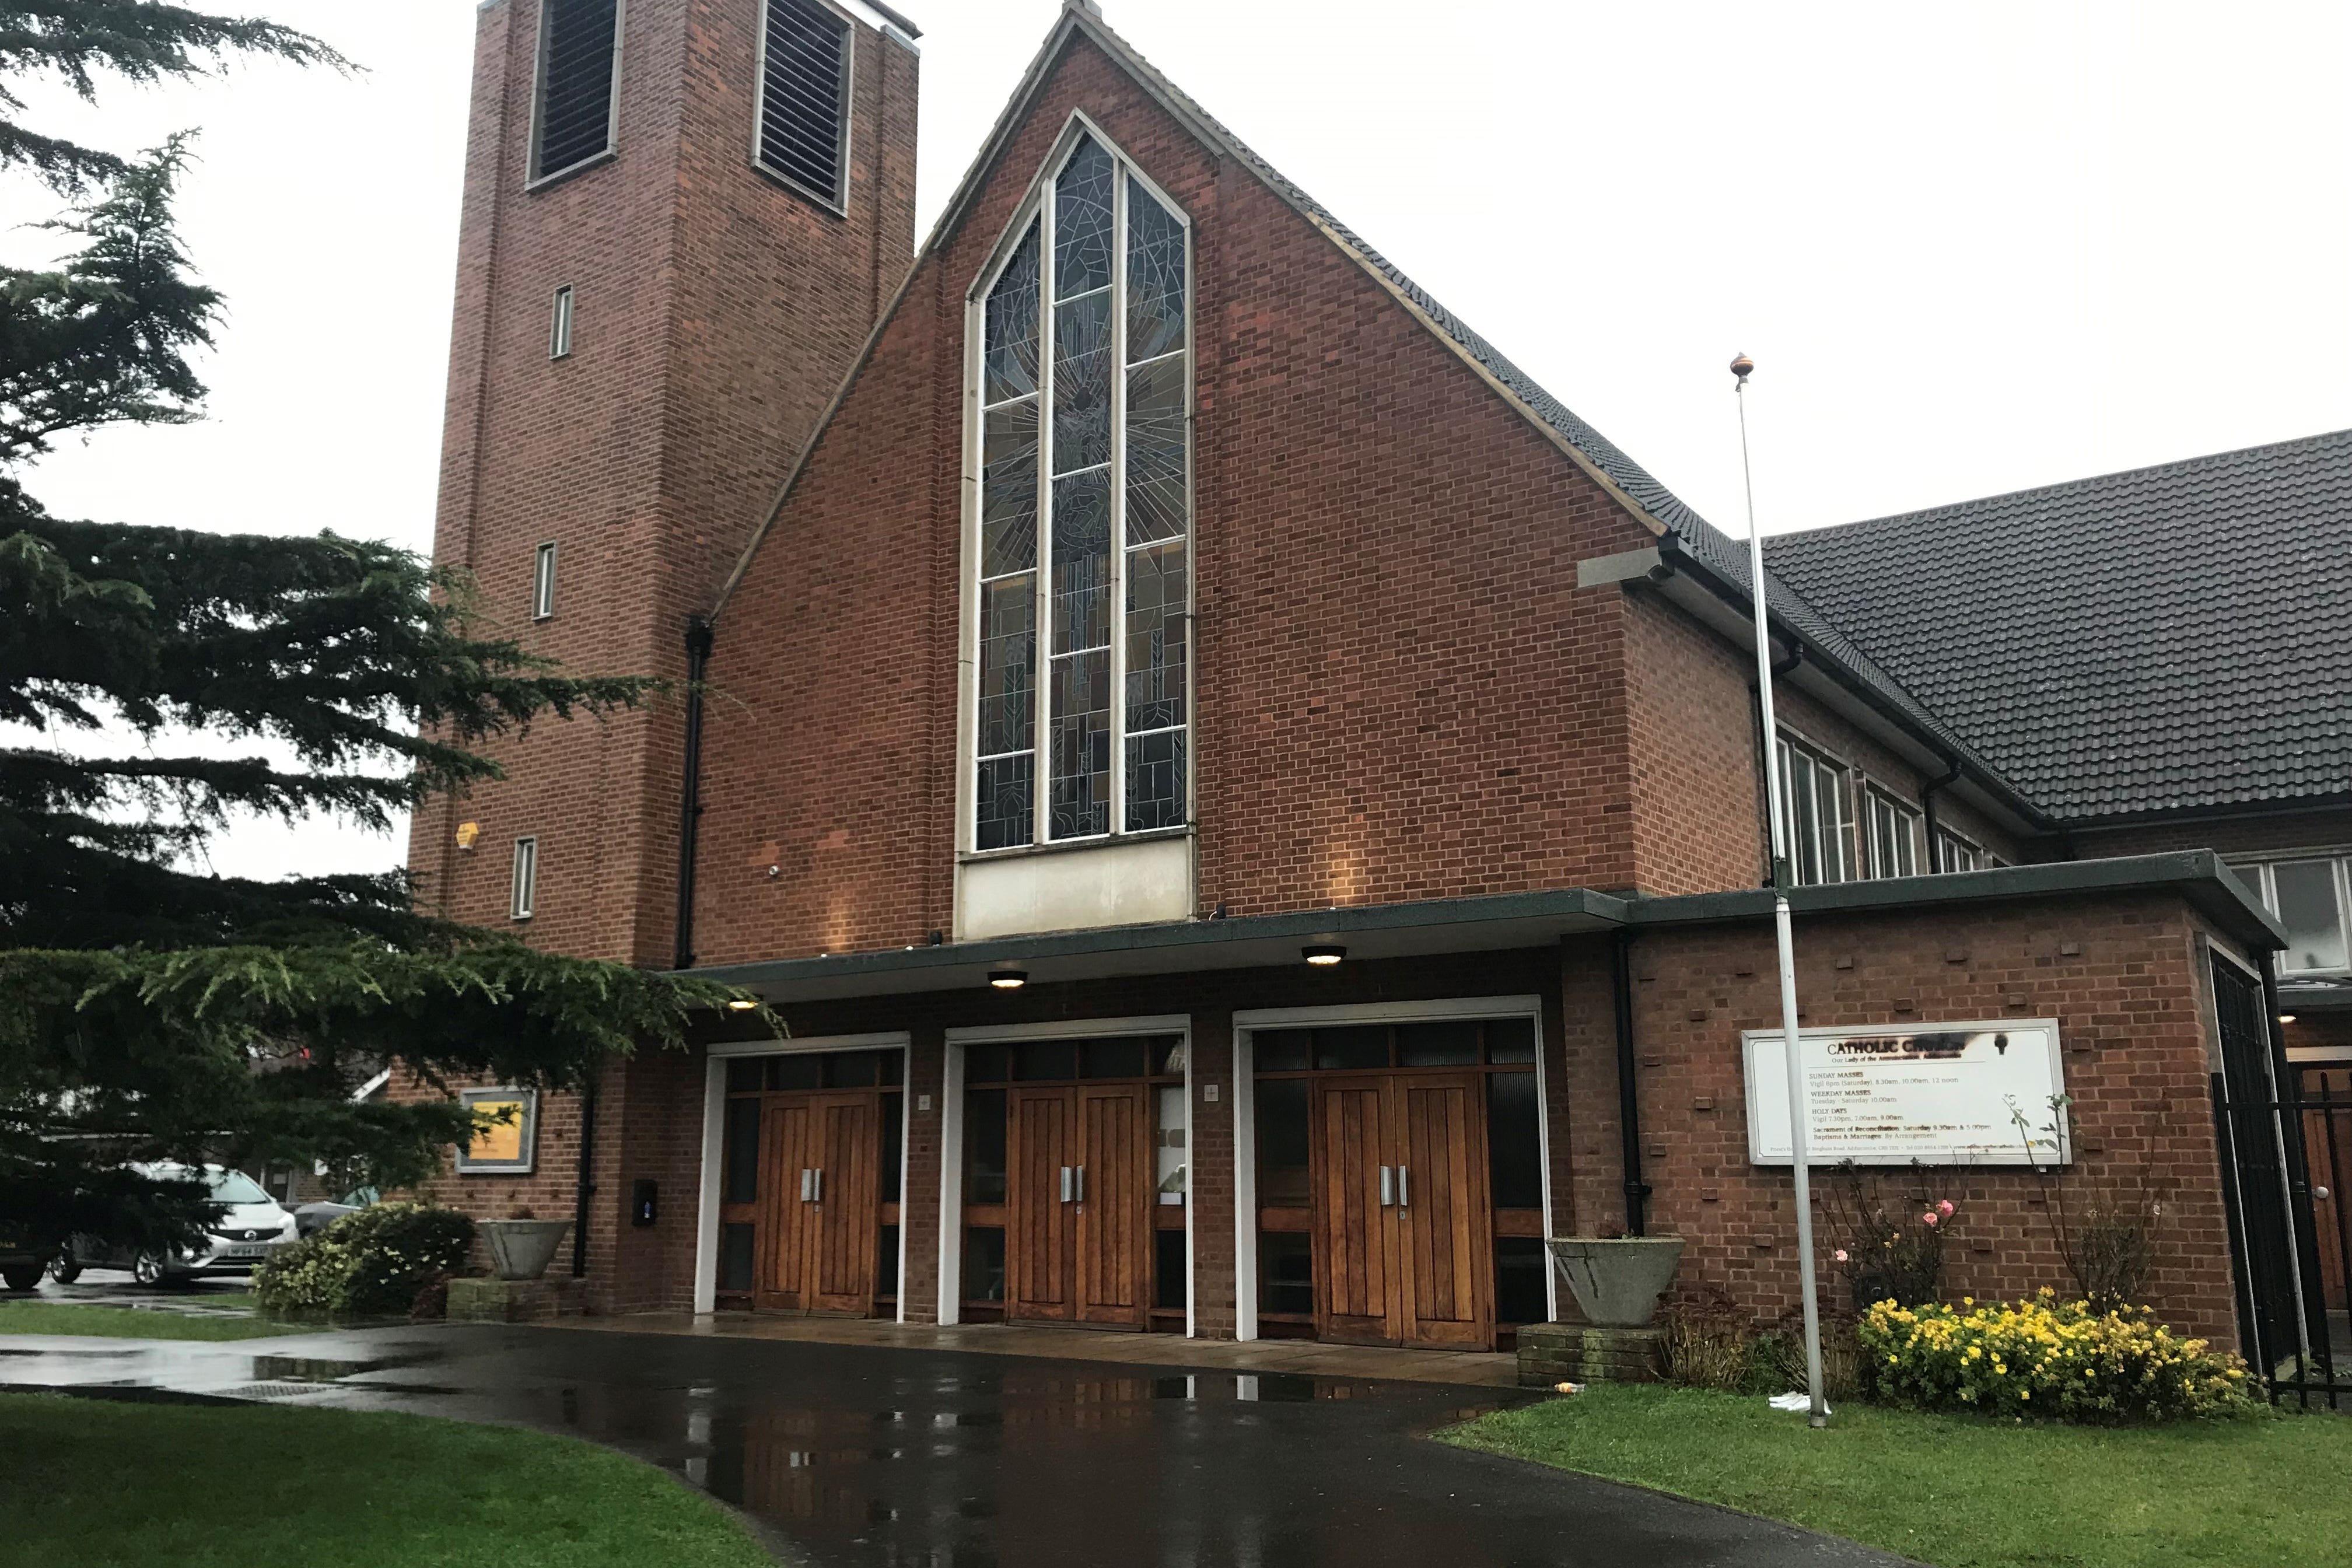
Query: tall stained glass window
[{"x": 1084, "y": 517}]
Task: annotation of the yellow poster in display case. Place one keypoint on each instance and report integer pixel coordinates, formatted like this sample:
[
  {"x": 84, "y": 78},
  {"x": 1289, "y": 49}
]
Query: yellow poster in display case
[{"x": 506, "y": 1131}]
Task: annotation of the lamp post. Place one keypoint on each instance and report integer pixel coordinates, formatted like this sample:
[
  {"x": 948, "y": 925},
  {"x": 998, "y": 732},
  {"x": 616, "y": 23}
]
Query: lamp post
[{"x": 1741, "y": 368}]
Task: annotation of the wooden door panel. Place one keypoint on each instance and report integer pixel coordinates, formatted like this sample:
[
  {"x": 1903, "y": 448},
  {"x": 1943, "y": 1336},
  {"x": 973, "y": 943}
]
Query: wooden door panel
[
  {"x": 1037, "y": 1220},
  {"x": 1443, "y": 1212},
  {"x": 1114, "y": 1209},
  {"x": 845, "y": 1216},
  {"x": 1354, "y": 1231},
  {"x": 786, "y": 1152}
]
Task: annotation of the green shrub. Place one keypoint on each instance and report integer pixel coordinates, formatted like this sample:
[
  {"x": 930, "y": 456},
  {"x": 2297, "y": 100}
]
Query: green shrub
[
  {"x": 2044, "y": 1357},
  {"x": 369, "y": 1263}
]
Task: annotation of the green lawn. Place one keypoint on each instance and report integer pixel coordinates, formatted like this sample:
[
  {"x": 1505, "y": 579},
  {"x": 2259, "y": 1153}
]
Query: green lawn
[
  {"x": 94, "y": 1482},
  {"x": 137, "y": 1322},
  {"x": 1963, "y": 1492}
]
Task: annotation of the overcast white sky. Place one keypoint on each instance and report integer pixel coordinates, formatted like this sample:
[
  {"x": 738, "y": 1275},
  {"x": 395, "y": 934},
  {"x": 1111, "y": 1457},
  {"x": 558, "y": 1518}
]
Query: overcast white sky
[{"x": 1973, "y": 248}]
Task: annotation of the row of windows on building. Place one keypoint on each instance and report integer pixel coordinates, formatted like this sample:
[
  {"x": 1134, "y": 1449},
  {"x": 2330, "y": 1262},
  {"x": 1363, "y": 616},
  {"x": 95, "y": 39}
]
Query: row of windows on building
[
  {"x": 1841, "y": 826},
  {"x": 2311, "y": 894},
  {"x": 799, "y": 129}
]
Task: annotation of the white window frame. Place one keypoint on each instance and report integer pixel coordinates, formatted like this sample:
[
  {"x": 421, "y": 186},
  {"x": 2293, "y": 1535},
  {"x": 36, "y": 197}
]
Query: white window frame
[
  {"x": 559, "y": 323},
  {"x": 1910, "y": 820},
  {"x": 540, "y": 176},
  {"x": 1245, "y": 1113},
  {"x": 952, "y": 1078},
  {"x": 1787, "y": 744},
  {"x": 835, "y": 201},
  {"x": 1949, "y": 843},
  {"x": 2261, "y": 876},
  {"x": 542, "y": 582},
  {"x": 1038, "y": 206},
  {"x": 714, "y": 1142},
  {"x": 523, "y": 890}
]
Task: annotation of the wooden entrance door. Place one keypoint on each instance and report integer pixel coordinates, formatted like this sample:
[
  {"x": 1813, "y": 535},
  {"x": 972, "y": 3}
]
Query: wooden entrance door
[
  {"x": 1355, "y": 1213},
  {"x": 1442, "y": 1209},
  {"x": 1114, "y": 1190},
  {"x": 1402, "y": 1251},
  {"x": 1039, "y": 1195},
  {"x": 821, "y": 1157},
  {"x": 1078, "y": 1187}
]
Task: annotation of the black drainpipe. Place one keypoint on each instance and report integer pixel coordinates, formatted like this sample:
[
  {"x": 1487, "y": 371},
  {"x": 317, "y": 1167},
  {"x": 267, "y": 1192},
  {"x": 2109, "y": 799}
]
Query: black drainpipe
[
  {"x": 1927, "y": 793},
  {"x": 587, "y": 1186},
  {"x": 699, "y": 636},
  {"x": 1629, "y": 1098}
]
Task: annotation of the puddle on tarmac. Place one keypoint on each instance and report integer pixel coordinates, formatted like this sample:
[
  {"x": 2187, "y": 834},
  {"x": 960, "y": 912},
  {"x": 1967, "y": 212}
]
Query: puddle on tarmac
[{"x": 805, "y": 1465}]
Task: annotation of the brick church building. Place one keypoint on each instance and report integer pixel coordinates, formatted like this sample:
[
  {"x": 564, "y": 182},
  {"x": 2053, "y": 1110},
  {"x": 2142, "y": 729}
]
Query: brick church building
[{"x": 1251, "y": 810}]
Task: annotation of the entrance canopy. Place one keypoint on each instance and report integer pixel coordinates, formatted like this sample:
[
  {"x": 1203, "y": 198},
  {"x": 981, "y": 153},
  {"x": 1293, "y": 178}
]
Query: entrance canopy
[{"x": 1493, "y": 923}]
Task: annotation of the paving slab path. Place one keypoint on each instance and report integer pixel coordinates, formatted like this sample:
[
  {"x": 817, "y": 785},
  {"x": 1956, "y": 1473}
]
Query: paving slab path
[{"x": 855, "y": 1456}]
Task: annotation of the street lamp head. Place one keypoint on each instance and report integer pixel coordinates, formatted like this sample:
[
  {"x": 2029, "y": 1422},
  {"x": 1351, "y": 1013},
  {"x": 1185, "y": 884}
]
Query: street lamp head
[{"x": 1742, "y": 367}]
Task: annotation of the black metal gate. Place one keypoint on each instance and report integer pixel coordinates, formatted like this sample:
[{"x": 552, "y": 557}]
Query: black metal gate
[{"x": 2259, "y": 1115}]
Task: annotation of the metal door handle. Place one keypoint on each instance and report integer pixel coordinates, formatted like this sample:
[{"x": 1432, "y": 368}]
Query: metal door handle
[
  {"x": 1388, "y": 1185},
  {"x": 1404, "y": 1189},
  {"x": 1065, "y": 1184},
  {"x": 1082, "y": 1184},
  {"x": 819, "y": 1175},
  {"x": 808, "y": 1185}
]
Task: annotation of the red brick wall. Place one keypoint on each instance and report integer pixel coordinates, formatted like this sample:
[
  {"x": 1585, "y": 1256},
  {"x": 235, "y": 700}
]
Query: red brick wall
[
  {"x": 1698, "y": 820},
  {"x": 1400, "y": 695},
  {"x": 715, "y": 315},
  {"x": 550, "y": 1190},
  {"x": 2122, "y": 976}
]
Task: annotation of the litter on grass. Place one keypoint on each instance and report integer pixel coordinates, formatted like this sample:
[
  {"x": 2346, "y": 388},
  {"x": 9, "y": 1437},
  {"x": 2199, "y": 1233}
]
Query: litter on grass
[{"x": 1796, "y": 1403}]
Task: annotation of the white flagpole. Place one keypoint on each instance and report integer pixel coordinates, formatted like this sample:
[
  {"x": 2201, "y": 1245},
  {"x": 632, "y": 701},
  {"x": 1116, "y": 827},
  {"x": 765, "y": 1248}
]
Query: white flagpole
[{"x": 1741, "y": 368}]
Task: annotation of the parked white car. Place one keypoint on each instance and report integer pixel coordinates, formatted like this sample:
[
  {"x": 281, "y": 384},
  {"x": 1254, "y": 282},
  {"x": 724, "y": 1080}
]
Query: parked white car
[{"x": 250, "y": 1226}]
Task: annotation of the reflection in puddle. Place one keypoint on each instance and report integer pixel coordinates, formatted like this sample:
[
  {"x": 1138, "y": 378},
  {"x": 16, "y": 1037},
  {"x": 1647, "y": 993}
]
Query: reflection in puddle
[{"x": 805, "y": 1465}]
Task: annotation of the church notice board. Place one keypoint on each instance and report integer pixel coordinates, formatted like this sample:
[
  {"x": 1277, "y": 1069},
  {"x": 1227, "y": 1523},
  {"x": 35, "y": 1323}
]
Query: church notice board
[{"x": 1937, "y": 1094}]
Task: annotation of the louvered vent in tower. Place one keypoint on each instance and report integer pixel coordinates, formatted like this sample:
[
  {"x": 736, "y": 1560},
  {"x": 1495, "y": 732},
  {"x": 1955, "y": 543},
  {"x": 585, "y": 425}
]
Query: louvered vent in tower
[
  {"x": 575, "y": 82},
  {"x": 804, "y": 98}
]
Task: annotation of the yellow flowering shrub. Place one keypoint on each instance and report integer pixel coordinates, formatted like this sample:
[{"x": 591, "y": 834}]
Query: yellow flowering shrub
[{"x": 2058, "y": 1360}]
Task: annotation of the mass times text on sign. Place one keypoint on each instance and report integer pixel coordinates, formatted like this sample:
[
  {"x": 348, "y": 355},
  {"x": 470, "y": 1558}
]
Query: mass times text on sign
[{"x": 1943, "y": 1094}]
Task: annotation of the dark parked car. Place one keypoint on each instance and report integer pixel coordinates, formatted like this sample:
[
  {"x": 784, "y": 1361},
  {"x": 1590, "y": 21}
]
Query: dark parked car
[
  {"x": 312, "y": 1219},
  {"x": 20, "y": 1266}
]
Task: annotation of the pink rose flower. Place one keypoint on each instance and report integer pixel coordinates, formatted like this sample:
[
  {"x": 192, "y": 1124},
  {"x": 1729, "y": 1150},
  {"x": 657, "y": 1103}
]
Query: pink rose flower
[
  {"x": 1839, "y": 1255},
  {"x": 1930, "y": 1217},
  {"x": 1945, "y": 1208}
]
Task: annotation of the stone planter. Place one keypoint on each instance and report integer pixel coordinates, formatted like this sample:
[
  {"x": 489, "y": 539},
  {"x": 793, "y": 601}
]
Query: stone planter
[
  {"x": 1617, "y": 1282},
  {"x": 522, "y": 1248}
]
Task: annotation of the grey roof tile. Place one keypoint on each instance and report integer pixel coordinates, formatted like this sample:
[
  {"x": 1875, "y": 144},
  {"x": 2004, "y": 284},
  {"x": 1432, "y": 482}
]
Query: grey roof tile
[{"x": 2168, "y": 639}]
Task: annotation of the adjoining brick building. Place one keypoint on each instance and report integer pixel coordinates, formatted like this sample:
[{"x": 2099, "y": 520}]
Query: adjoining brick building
[{"x": 1139, "y": 594}]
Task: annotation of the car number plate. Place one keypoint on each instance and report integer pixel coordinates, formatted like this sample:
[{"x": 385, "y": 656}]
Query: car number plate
[{"x": 248, "y": 1251}]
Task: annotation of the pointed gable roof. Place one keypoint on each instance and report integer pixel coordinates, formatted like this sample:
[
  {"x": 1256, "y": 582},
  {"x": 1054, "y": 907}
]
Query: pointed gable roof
[{"x": 1687, "y": 539}]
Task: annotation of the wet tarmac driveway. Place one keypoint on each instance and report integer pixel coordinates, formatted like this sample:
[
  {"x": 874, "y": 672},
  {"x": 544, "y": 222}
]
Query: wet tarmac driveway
[{"x": 854, "y": 1456}]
